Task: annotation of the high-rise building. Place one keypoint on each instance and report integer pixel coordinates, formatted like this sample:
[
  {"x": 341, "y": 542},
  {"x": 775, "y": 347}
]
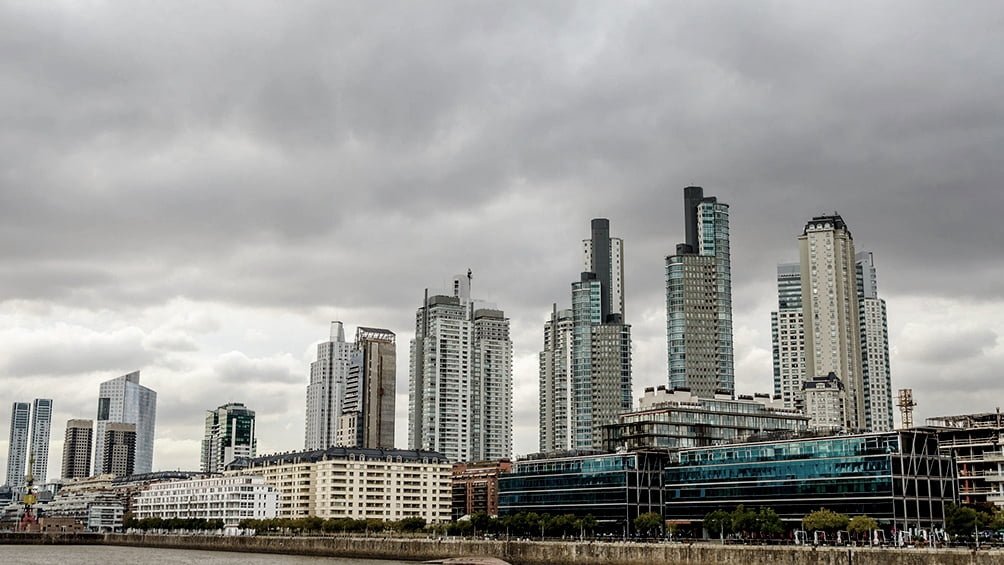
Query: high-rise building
[
  {"x": 874, "y": 328},
  {"x": 788, "y": 336},
  {"x": 118, "y": 449},
  {"x": 230, "y": 433},
  {"x": 824, "y": 401},
  {"x": 556, "y": 414},
  {"x": 77, "y": 449},
  {"x": 327, "y": 389},
  {"x": 124, "y": 400},
  {"x": 585, "y": 366},
  {"x": 17, "y": 451},
  {"x": 699, "y": 300},
  {"x": 41, "y": 422},
  {"x": 367, "y": 411},
  {"x": 460, "y": 377},
  {"x": 830, "y": 310}
]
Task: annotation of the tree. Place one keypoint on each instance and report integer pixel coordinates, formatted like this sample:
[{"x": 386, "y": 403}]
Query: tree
[
  {"x": 744, "y": 521},
  {"x": 825, "y": 520},
  {"x": 412, "y": 524},
  {"x": 964, "y": 521},
  {"x": 769, "y": 523},
  {"x": 718, "y": 523},
  {"x": 861, "y": 526},
  {"x": 649, "y": 524}
]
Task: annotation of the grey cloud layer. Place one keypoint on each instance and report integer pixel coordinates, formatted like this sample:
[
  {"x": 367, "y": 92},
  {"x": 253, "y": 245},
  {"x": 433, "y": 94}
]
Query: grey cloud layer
[{"x": 348, "y": 155}]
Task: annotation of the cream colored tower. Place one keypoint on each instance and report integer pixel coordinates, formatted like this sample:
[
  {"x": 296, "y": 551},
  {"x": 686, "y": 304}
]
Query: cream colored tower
[{"x": 830, "y": 307}]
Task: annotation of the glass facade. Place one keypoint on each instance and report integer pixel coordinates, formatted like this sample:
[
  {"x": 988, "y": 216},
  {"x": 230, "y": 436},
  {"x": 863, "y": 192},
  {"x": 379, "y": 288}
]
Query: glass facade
[
  {"x": 615, "y": 488},
  {"x": 698, "y": 422},
  {"x": 898, "y": 478}
]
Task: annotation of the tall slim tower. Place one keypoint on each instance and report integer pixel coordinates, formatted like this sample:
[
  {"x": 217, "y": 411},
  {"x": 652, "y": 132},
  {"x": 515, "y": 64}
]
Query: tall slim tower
[
  {"x": 41, "y": 422},
  {"x": 367, "y": 416},
  {"x": 77, "y": 449},
  {"x": 699, "y": 299},
  {"x": 327, "y": 389},
  {"x": 460, "y": 377},
  {"x": 230, "y": 434},
  {"x": 788, "y": 336},
  {"x": 874, "y": 328},
  {"x": 585, "y": 366},
  {"x": 830, "y": 308},
  {"x": 124, "y": 400},
  {"x": 17, "y": 451},
  {"x": 556, "y": 410}
]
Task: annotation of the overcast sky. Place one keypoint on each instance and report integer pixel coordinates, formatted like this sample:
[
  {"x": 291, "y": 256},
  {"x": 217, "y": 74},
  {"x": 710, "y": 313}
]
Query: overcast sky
[{"x": 196, "y": 190}]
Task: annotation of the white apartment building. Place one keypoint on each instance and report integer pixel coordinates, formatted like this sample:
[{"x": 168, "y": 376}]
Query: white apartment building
[
  {"x": 460, "y": 377},
  {"x": 382, "y": 484},
  {"x": 824, "y": 401},
  {"x": 229, "y": 498},
  {"x": 327, "y": 389},
  {"x": 830, "y": 308}
]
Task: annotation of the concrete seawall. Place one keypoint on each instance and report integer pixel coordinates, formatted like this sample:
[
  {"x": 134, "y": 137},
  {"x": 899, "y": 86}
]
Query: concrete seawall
[{"x": 534, "y": 553}]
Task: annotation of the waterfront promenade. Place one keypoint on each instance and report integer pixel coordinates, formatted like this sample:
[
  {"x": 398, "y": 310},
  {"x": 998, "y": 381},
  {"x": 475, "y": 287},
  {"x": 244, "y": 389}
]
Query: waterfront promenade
[{"x": 534, "y": 552}]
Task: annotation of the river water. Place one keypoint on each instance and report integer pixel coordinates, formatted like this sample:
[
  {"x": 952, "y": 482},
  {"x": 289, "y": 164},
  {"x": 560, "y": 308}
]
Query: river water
[{"x": 108, "y": 555}]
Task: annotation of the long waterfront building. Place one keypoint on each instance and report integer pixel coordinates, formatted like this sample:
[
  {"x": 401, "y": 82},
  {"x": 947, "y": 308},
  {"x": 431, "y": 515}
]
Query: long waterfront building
[
  {"x": 229, "y": 498},
  {"x": 358, "y": 483},
  {"x": 678, "y": 419},
  {"x": 898, "y": 478}
]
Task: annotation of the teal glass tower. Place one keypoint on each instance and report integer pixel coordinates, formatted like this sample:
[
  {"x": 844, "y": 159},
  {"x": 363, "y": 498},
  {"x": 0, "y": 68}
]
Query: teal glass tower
[{"x": 699, "y": 300}]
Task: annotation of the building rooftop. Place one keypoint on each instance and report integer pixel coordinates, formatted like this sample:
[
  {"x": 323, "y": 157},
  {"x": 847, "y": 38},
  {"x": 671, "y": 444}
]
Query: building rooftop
[{"x": 357, "y": 453}]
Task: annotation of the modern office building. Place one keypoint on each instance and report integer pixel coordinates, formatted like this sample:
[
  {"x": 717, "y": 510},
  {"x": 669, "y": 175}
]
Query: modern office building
[
  {"x": 699, "y": 300},
  {"x": 123, "y": 400},
  {"x": 613, "y": 488},
  {"x": 327, "y": 389},
  {"x": 77, "y": 446},
  {"x": 898, "y": 478},
  {"x": 585, "y": 366},
  {"x": 788, "y": 335},
  {"x": 976, "y": 443},
  {"x": 460, "y": 377},
  {"x": 830, "y": 308},
  {"x": 367, "y": 416},
  {"x": 475, "y": 487},
  {"x": 17, "y": 450},
  {"x": 229, "y": 434},
  {"x": 824, "y": 401},
  {"x": 227, "y": 498},
  {"x": 41, "y": 424},
  {"x": 556, "y": 413},
  {"x": 358, "y": 483},
  {"x": 118, "y": 449},
  {"x": 874, "y": 337},
  {"x": 673, "y": 420}
]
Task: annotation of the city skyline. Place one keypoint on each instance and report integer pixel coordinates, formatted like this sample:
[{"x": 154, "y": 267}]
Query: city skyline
[{"x": 201, "y": 216}]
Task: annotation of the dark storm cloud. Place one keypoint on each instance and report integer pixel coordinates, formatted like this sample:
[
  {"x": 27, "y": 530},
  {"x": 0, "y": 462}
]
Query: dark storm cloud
[{"x": 345, "y": 156}]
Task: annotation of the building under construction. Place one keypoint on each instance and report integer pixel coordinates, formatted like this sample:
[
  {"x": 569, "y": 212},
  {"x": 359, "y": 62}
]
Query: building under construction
[{"x": 975, "y": 443}]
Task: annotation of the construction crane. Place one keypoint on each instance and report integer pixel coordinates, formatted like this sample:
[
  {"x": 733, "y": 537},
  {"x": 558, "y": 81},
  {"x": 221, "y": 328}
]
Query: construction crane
[
  {"x": 906, "y": 404},
  {"x": 29, "y": 521}
]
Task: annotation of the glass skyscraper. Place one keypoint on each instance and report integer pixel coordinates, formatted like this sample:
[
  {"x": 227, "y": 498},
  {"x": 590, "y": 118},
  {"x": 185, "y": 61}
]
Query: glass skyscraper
[
  {"x": 124, "y": 400},
  {"x": 699, "y": 300},
  {"x": 585, "y": 367},
  {"x": 230, "y": 434}
]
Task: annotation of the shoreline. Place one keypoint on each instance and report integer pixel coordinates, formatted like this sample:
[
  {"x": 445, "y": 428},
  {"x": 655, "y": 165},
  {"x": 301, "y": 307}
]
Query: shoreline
[{"x": 529, "y": 552}]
